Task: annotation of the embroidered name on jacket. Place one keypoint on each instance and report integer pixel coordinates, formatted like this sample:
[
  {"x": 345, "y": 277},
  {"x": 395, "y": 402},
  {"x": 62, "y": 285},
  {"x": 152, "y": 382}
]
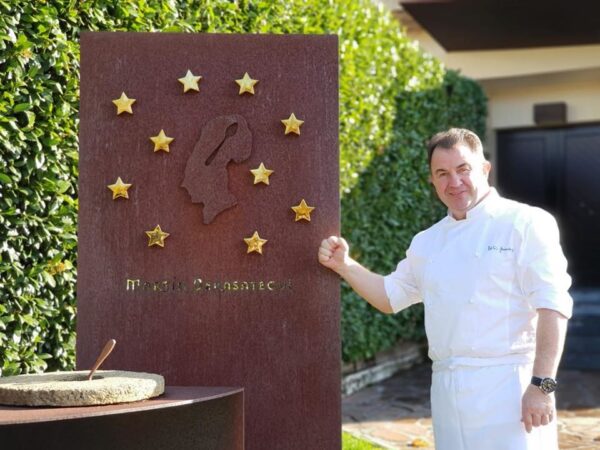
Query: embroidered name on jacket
[{"x": 499, "y": 249}]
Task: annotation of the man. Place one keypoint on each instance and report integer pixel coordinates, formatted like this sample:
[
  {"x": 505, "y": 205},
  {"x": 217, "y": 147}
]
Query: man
[{"x": 492, "y": 277}]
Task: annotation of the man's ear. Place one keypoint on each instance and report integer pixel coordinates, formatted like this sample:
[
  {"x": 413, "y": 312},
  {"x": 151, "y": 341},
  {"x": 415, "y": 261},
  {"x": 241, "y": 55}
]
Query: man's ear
[
  {"x": 429, "y": 180},
  {"x": 487, "y": 166}
]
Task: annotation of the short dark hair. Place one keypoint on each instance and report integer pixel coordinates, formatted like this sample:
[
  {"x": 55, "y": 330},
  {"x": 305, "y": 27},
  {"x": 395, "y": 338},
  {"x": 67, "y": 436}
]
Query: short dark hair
[{"x": 449, "y": 138}]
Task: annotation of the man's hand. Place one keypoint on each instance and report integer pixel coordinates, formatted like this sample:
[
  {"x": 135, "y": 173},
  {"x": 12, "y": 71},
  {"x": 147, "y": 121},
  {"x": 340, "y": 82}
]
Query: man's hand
[
  {"x": 537, "y": 408},
  {"x": 333, "y": 253}
]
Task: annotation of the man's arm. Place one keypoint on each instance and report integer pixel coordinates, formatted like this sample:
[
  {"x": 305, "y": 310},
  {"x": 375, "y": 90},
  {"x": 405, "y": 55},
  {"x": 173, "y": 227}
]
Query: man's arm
[
  {"x": 550, "y": 339},
  {"x": 334, "y": 254},
  {"x": 537, "y": 407}
]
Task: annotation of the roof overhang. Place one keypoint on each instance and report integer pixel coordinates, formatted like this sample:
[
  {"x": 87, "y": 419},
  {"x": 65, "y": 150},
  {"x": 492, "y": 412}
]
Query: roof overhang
[{"x": 460, "y": 25}]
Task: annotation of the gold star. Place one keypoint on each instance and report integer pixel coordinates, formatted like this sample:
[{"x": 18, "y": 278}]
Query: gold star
[
  {"x": 161, "y": 141},
  {"x": 156, "y": 237},
  {"x": 261, "y": 174},
  {"x": 190, "y": 81},
  {"x": 246, "y": 84},
  {"x": 302, "y": 211},
  {"x": 124, "y": 104},
  {"x": 255, "y": 243},
  {"x": 292, "y": 125},
  {"x": 119, "y": 189}
]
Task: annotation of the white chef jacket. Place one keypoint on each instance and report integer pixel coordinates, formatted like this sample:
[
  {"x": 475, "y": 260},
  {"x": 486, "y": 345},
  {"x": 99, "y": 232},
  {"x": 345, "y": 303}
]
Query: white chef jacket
[{"x": 482, "y": 279}]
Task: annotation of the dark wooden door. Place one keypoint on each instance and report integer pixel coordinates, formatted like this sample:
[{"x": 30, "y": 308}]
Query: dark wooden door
[{"x": 559, "y": 170}]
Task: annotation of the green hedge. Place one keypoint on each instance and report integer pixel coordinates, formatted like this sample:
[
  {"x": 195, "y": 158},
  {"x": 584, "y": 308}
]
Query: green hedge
[
  {"x": 39, "y": 55},
  {"x": 38, "y": 145}
]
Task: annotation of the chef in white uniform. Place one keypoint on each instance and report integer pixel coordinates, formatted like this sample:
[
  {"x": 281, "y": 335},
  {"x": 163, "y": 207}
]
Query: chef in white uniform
[{"x": 493, "y": 279}]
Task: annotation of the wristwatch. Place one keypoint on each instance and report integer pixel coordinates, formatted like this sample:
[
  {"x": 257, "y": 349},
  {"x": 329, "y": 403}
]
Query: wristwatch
[{"x": 546, "y": 385}]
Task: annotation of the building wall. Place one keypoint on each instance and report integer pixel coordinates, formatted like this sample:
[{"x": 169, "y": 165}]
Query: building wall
[
  {"x": 511, "y": 100},
  {"x": 516, "y": 79},
  {"x": 492, "y": 64}
]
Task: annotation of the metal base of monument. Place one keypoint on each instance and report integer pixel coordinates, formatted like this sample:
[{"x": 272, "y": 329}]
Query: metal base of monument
[{"x": 182, "y": 418}]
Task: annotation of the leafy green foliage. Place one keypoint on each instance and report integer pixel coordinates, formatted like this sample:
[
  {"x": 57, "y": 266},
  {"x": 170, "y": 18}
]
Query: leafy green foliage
[
  {"x": 391, "y": 98},
  {"x": 38, "y": 145}
]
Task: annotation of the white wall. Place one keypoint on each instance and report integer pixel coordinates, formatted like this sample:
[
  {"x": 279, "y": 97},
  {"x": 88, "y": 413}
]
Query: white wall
[
  {"x": 515, "y": 80},
  {"x": 511, "y": 100},
  {"x": 491, "y": 64}
]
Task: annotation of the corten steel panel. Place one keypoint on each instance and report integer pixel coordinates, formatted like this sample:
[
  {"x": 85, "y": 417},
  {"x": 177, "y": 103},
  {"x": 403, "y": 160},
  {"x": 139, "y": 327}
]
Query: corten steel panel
[
  {"x": 281, "y": 345},
  {"x": 183, "y": 418}
]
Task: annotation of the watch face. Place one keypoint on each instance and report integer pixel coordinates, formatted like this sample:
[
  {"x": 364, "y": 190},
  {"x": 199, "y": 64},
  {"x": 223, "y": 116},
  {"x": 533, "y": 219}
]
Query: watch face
[{"x": 548, "y": 385}]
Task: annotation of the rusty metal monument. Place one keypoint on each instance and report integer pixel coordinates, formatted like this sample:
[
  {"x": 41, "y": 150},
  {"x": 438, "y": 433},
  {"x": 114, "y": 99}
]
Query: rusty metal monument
[{"x": 208, "y": 177}]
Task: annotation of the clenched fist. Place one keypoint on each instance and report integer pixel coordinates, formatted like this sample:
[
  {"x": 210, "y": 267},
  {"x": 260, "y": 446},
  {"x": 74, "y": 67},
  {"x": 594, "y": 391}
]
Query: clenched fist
[{"x": 334, "y": 253}]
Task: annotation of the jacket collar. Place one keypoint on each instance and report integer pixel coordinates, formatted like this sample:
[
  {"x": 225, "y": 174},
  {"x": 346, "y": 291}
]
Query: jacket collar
[{"x": 485, "y": 207}]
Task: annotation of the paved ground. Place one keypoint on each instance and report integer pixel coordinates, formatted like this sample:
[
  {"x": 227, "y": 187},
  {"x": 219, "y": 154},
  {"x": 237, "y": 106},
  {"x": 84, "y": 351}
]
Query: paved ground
[{"x": 396, "y": 413}]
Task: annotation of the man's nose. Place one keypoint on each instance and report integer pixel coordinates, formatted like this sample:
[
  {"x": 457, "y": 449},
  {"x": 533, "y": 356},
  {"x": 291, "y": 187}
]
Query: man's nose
[{"x": 454, "y": 180}]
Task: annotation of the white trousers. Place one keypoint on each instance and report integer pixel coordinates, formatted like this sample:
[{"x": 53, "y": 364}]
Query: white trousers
[{"x": 479, "y": 408}]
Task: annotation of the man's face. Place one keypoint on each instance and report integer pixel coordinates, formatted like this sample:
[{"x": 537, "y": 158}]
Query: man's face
[{"x": 460, "y": 178}]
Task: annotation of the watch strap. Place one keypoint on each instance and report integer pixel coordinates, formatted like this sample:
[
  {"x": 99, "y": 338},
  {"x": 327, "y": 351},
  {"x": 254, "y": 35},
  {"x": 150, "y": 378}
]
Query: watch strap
[
  {"x": 547, "y": 385},
  {"x": 536, "y": 381}
]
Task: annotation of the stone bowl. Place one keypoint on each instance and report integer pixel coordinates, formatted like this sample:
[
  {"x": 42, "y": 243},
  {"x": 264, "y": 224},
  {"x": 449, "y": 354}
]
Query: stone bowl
[{"x": 73, "y": 388}]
